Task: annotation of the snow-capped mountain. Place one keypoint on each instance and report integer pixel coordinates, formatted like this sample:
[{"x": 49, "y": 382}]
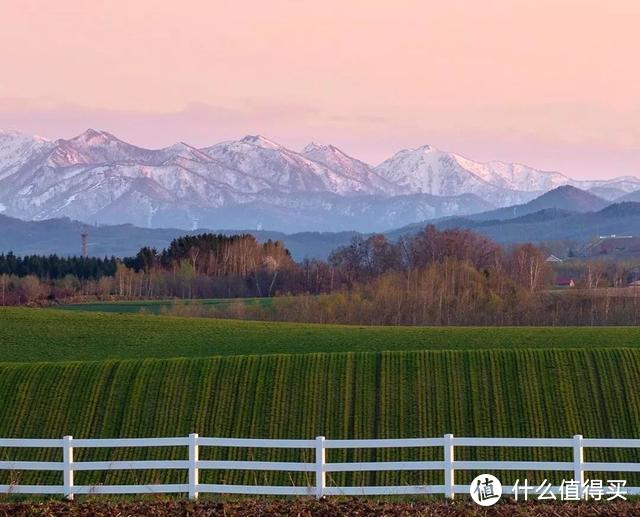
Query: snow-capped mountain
[
  {"x": 17, "y": 149},
  {"x": 255, "y": 182},
  {"x": 349, "y": 167},
  {"x": 431, "y": 171},
  {"x": 286, "y": 170},
  {"x": 611, "y": 189}
]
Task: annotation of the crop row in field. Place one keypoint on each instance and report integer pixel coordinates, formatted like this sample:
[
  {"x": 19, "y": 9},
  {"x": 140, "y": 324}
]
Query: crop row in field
[
  {"x": 545, "y": 393},
  {"x": 30, "y": 335}
]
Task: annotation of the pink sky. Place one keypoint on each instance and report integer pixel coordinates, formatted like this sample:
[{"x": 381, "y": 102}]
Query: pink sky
[{"x": 554, "y": 84}]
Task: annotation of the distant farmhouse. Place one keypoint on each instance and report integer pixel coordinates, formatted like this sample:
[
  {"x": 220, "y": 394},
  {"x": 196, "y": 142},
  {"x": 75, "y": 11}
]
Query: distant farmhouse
[{"x": 563, "y": 281}]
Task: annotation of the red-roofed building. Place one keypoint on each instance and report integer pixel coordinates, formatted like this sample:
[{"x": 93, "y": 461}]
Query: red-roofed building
[{"x": 563, "y": 281}]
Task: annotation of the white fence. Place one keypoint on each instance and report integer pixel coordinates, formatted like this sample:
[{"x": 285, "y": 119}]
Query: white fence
[{"x": 320, "y": 467}]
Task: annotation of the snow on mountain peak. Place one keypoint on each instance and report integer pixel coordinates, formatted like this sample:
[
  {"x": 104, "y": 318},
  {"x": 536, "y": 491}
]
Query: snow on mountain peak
[
  {"x": 16, "y": 148},
  {"x": 181, "y": 150},
  {"x": 260, "y": 141},
  {"x": 94, "y": 137},
  {"x": 283, "y": 169},
  {"x": 352, "y": 168},
  {"x": 178, "y": 146},
  {"x": 429, "y": 170},
  {"x": 96, "y": 147},
  {"x": 20, "y": 135},
  {"x": 313, "y": 147}
]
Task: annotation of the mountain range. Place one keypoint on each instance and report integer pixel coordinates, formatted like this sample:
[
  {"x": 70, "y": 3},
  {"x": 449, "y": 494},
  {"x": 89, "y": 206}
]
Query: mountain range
[
  {"x": 255, "y": 183},
  {"x": 566, "y": 214}
]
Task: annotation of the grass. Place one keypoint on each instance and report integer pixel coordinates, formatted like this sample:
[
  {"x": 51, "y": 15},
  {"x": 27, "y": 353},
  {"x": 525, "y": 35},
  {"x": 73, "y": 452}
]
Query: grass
[
  {"x": 31, "y": 335},
  {"x": 156, "y": 306}
]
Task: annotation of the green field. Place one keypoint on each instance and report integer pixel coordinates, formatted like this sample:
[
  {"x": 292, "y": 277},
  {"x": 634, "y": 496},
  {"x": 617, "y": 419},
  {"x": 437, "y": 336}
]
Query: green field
[
  {"x": 114, "y": 376},
  {"x": 29, "y": 335},
  {"x": 157, "y": 306}
]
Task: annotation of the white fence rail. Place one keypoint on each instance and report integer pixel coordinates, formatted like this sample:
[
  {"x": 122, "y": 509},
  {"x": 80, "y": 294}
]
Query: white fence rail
[{"x": 320, "y": 467}]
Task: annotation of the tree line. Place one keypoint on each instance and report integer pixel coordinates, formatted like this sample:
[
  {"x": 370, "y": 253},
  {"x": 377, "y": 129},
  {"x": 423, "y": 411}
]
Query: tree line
[
  {"x": 448, "y": 277},
  {"x": 201, "y": 266},
  {"x": 53, "y": 267}
]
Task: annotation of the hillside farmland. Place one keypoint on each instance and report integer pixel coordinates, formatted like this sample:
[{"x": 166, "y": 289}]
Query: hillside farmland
[{"x": 533, "y": 388}]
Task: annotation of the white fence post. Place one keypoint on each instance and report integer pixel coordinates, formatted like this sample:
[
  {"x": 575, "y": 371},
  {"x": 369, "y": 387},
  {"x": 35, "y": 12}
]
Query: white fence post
[
  {"x": 67, "y": 473},
  {"x": 578, "y": 460},
  {"x": 193, "y": 466},
  {"x": 449, "y": 479},
  {"x": 321, "y": 475}
]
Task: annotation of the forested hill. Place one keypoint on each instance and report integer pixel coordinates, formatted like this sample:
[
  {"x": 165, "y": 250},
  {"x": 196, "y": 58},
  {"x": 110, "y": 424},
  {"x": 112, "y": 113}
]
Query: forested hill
[
  {"x": 62, "y": 237},
  {"x": 550, "y": 224}
]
